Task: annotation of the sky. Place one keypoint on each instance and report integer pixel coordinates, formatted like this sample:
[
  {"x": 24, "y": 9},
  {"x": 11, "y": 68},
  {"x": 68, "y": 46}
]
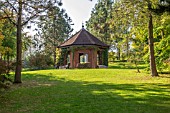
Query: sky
[{"x": 79, "y": 11}]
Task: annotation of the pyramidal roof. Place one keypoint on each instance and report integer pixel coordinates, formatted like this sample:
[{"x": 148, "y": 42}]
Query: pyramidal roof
[{"x": 83, "y": 37}]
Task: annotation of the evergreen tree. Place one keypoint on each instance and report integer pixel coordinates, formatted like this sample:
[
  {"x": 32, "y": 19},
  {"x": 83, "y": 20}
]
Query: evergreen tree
[{"x": 54, "y": 28}]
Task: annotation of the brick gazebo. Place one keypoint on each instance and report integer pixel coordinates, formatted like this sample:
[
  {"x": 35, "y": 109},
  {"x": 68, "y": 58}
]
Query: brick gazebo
[{"x": 83, "y": 50}]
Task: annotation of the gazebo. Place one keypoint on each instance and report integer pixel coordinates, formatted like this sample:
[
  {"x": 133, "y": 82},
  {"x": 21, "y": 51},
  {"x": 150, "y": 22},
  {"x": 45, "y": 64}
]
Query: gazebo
[{"x": 83, "y": 50}]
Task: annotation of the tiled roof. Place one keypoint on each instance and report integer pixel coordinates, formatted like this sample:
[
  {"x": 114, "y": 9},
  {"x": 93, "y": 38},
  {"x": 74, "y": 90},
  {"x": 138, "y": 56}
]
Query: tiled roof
[{"x": 83, "y": 37}]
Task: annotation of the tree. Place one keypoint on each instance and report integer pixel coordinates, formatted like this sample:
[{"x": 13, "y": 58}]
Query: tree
[
  {"x": 125, "y": 16},
  {"x": 111, "y": 28},
  {"x": 162, "y": 34},
  {"x": 151, "y": 44},
  {"x": 23, "y": 11},
  {"x": 39, "y": 60},
  {"x": 162, "y": 6},
  {"x": 136, "y": 11},
  {"x": 1, "y": 37},
  {"x": 98, "y": 23},
  {"x": 8, "y": 43},
  {"x": 54, "y": 28}
]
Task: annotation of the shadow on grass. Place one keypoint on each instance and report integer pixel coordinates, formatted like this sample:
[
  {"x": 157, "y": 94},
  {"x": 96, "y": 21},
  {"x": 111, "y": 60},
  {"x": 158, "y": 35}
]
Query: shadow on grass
[
  {"x": 165, "y": 75},
  {"x": 166, "y": 72},
  {"x": 47, "y": 93},
  {"x": 125, "y": 65}
]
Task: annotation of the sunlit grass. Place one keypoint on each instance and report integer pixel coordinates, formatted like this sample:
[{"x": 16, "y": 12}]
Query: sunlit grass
[{"x": 88, "y": 91}]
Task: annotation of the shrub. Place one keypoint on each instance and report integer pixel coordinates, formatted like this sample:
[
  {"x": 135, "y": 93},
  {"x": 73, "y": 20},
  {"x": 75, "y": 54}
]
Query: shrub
[
  {"x": 39, "y": 61},
  {"x": 4, "y": 74}
]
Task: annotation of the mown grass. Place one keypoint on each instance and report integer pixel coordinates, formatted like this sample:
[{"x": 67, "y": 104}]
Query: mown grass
[{"x": 88, "y": 91}]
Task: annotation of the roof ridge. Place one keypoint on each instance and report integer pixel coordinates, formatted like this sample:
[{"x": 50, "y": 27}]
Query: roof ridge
[{"x": 87, "y": 33}]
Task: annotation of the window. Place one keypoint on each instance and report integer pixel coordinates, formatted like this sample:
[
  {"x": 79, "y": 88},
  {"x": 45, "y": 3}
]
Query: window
[{"x": 83, "y": 57}]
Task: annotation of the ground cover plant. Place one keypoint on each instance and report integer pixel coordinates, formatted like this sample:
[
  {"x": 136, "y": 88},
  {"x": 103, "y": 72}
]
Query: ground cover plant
[{"x": 88, "y": 91}]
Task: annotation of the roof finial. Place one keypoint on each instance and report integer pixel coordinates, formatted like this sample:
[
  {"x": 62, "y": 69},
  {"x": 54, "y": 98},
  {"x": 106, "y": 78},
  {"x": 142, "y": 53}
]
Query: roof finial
[{"x": 82, "y": 25}]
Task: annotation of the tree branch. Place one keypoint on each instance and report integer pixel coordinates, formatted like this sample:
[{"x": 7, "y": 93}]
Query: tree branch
[
  {"x": 33, "y": 16},
  {"x": 12, "y": 6},
  {"x": 9, "y": 18}
]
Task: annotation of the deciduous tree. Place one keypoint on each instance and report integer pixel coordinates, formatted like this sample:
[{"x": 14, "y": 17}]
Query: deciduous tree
[{"x": 23, "y": 11}]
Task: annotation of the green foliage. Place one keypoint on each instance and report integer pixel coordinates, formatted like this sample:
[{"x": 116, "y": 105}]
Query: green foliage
[
  {"x": 20, "y": 13},
  {"x": 98, "y": 24},
  {"x": 162, "y": 6},
  {"x": 1, "y": 36},
  {"x": 63, "y": 54},
  {"x": 9, "y": 41},
  {"x": 40, "y": 61},
  {"x": 162, "y": 34},
  {"x": 163, "y": 53},
  {"x": 127, "y": 22},
  {"x": 7, "y": 47},
  {"x": 111, "y": 56},
  {"x": 4, "y": 74},
  {"x": 7, "y": 51},
  {"x": 110, "y": 26},
  {"x": 135, "y": 57},
  {"x": 105, "y": 57},
  {"x": 54, "y": 28}
]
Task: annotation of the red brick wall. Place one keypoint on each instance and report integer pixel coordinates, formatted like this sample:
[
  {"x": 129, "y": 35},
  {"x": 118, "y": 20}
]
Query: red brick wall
[{"x": 92, "y": 57}]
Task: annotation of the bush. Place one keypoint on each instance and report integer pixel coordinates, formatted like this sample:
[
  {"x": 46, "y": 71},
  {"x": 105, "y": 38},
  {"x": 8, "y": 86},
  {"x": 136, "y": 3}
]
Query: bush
[
  {"x": 5, "y": 67},
  {"x": 4, "y": 74},
  {"x": 39, "y": 61}
]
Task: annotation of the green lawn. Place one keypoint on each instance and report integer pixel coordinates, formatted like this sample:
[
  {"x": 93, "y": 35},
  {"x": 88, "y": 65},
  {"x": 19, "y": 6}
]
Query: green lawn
[{"x": 88, "y": 91}]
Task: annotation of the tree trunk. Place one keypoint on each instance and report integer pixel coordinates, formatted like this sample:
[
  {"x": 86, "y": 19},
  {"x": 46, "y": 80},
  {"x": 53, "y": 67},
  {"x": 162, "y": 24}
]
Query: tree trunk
[
  {"x": 138, "y": 71},
  {"x": 54, "y": 43},
  {"x": 8, "y": 63},
  {"x": 54, "y": 52},
  {"x": 17, "y": 78},
  {"x": 127, "y": 47},
  {"x": 151, "y": 48},
  {"x": 118, "y": 53}
]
